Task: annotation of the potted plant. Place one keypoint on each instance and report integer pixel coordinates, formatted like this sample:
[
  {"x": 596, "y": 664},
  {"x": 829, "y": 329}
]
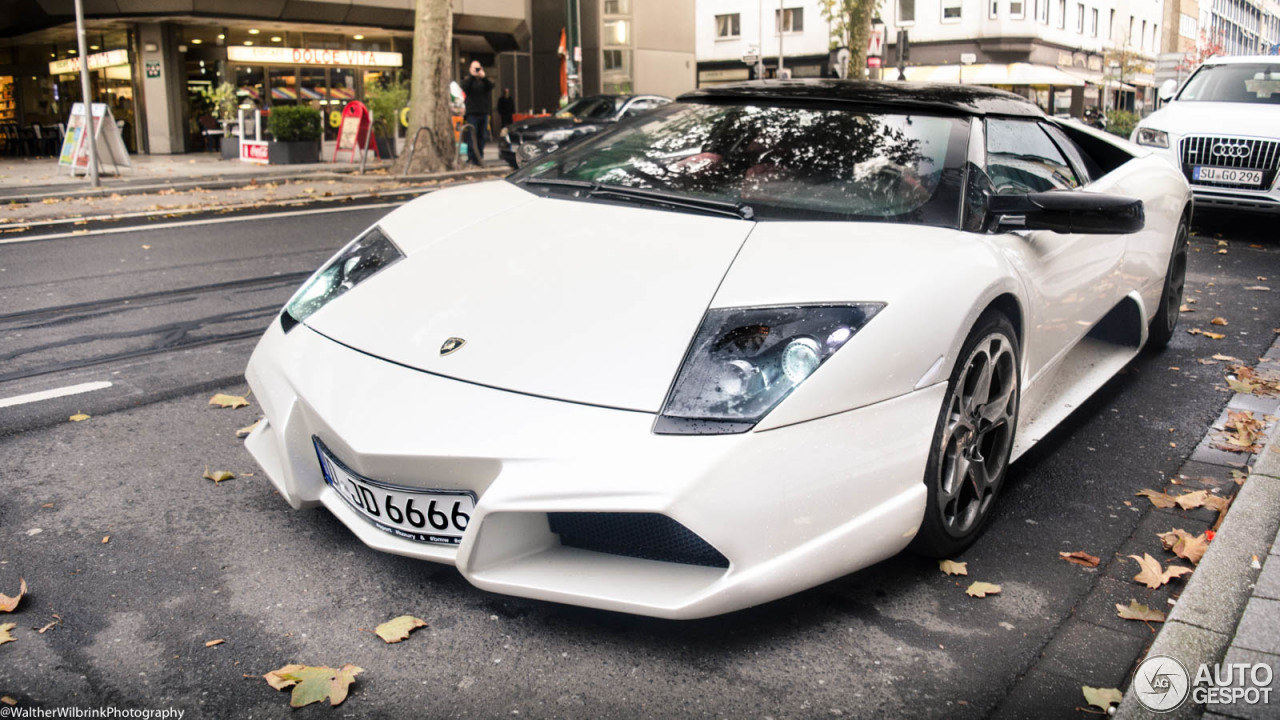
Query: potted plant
[
  {"x": 223, "y": 105},
  {"x": 386, "y": 102},
  {"x": 295, "y": 133}
]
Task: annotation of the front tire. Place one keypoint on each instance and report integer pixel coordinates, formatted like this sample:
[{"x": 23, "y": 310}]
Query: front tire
[
  {"x": 972, "y": 440},
  {"x": 1175, "y": 280}
]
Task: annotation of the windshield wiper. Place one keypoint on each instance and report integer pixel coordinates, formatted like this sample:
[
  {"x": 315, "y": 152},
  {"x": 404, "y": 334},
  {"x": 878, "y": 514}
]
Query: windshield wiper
[
  {"x": 670, "y": 199},
  {"x": 656, "y": 197}
]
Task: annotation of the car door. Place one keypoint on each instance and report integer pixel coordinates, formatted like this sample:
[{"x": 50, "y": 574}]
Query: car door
[{"x": 1072, "y": 278}]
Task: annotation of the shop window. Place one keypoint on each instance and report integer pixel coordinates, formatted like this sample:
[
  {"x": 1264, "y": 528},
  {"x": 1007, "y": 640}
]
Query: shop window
[
  {"x": 284, "y": 86},
  {"x": 728, "y": 26},
  {"x": 250, "y": 86},
  {"x": 789, "y": 20}
]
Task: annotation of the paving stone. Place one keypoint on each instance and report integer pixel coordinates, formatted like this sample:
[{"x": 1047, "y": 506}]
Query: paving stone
[
  {"x": 1256, "y": 404},
  {"x": 1242, "y": 709},
  {"x": 1260, "y": 627},
  {"x": 1099, "y": 606},
  {"x": 1073, "y": 653},
  {"x": 1189, "y": 645},
  {"x": 1040, "y": 695},
  {"x": 1145, "y": 540},
  {"x": 1206, "y": 453},
  {"x": 1268, "y": 585}
]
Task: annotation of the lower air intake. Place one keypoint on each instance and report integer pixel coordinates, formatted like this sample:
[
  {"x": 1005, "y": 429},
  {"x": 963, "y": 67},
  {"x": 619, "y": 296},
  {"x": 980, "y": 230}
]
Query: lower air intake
[{"x": 649, "y": 536}]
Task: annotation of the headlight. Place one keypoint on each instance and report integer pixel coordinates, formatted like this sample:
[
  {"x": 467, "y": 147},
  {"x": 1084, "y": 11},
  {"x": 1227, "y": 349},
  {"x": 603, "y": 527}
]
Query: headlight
[
  {"x": 1152, "y": 137},
  {"x": 355, "y": 263},
  {"x": 504, "y": 132},
  {"x": 744, "y": 361},
  {"x": 555, "y": 137}
]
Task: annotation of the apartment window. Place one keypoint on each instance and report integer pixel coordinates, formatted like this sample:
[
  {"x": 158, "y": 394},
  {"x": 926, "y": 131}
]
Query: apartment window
[
  {"x": 1080, "y": 18},
  {"x": 1042, "y": 11},
  {"x": 790, "y": 20},
  {"x": 729, "y": 26},
  {"x": 617, "y": 7},
  {"x": 995, "y": 9},
  {"x": 1155, "y": 37},
  {"x": 617, "y": 61},
  {"x": 951, "y": 10},
  {"x": 906, "y": 12},
  {"x": 1017, "y": 9},
  {"x": 1187, "y": 26},
  {"x": 616, "y": 32},
  {"x": 1142, "y": 39},
  {"x": 1111, "y": 26},
  {"x": 1093, "y": 22},
  {"x": 1062, "y": 13}
]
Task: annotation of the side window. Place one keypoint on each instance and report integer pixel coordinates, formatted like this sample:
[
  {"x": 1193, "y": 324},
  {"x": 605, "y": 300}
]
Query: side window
[
  {"x": 1022, "y": 159},
  {"x": 636, "y": 107},
  {"x": 1085, "y": 167}
]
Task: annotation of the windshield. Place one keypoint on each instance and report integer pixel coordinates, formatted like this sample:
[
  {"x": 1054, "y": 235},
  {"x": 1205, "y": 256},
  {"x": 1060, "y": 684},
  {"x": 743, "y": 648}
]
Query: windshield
[
  {"x": 782, "y": 162},
  {"x": 591, "y": 108},
  {"x": 1243, "y": 83}
]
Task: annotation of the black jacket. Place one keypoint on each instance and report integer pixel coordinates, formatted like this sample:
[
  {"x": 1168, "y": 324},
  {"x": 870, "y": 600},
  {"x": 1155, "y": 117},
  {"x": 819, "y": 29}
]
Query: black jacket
[
  {"x": 506, "y": 107},
  {"x": 477, "y": 90}
]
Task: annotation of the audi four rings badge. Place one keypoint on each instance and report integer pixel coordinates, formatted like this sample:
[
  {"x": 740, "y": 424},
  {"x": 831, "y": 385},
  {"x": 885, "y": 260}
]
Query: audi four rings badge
[{"x": 1231, "y": 150}]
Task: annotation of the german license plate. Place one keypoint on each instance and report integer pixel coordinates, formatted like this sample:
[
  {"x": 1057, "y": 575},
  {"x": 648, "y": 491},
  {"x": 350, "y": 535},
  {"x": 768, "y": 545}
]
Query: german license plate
[
  {"x": 432, "y": 516},
  {"x": 1201, "y": 173}
]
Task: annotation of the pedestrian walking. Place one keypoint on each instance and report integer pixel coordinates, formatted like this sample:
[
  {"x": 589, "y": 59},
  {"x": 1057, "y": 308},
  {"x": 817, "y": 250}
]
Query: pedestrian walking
[
  {"x": 506, "y": 108},
  {"x": 478, "y": 106}
]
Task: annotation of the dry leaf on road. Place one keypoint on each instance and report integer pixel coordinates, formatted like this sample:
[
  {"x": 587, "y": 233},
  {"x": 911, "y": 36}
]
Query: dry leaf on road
[
  {"x": 1137, "y": 611},
  {"x": 9, "y": 604},
  {"x": 244, "y": 431},
  {"x": 1218, "y": 321},
  {"x": 393, "y": 631},
  {"x": 1191, "y": 500},
  {"x": 5, "y": 637},
  {"x": 982, "y": 589},
  {"x": 229, "y": 401},
  {"x": 212, "y": 643},
  {"x": 78, "y": 417},
  {"x": 1080, "y": 558},
  {"x": 1158, "y": 499},
  {"x": 314, "y": 684},
  {"x": 1102, "y": 698},
  {"x": 1152, "y": 575},
  {"x": 217, "y": 476},
  {"x": 1184, "y": 544},
  {"x": 951, "y": 567}
]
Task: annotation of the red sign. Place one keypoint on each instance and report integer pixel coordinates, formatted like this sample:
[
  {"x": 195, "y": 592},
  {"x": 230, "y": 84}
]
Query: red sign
[
  {"x": 355, "y": 131},
  {"x": 873, "y": 62},
  {"x": 254, "y": 151}
]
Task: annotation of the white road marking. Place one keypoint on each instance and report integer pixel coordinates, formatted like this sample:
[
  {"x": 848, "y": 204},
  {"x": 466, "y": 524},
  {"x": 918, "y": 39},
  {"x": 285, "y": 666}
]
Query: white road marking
[
  {"x": 54, "y": 393},
  {"x": 192, "y": 223}
]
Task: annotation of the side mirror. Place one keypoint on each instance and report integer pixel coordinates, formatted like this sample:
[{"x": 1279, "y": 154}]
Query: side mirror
[
  {"x": 1066, "y": 211},
  {"x": 530, "y": 151},
  {"x": 1167, "y": 89}
]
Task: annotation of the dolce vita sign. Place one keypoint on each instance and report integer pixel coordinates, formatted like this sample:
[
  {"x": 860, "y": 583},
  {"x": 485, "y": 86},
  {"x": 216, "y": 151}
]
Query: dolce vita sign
[{"x": 313, "y": 56}]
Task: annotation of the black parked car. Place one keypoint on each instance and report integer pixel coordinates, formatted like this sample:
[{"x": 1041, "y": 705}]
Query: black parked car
[{"x": 576, "y": 120}]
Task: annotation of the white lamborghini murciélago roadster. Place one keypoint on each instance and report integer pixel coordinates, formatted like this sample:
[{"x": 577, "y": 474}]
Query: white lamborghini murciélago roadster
[{"x": 750, "y": 342}]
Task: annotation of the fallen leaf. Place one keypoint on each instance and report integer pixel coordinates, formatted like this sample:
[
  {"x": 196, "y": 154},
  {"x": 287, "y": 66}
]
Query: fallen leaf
[
  {"x": 1226, "y": 358},
  {"x": 78, "y": 417},
  {"x": 1184, "y": 544},
  {"x": 1191, "y": 500},
  {"x": 1218, "y": 321},
  {"x": 982, "y": 589},
  {"x": 1137, "y": 611},
  {"x": 106, "y": 539},
  {"x": 1213, "y": 335},
  {"x": 1217, "y": 502},
  {"x": 57, "y": 620},
  {"x": 1102, "y": 698},
  {"x": 314, "y": 684},
  {"x": 951, "y": 567},
  {"x": 1259, "y": 288},
  {"x": 1080, "y": 558},
  {"x": 5, "y": 637},
  {"x": 8, "y": 701},
  {"x": 229, "y": 401},
  {"x": 1185, "y": 309},
  {"x": 9, "y": 604},
  {"x": 1152, "y": 576},
  {"x": 244, "y": 431},
  {"x": 217, "y": 476},
  {"x": 1158, "y": 499},
  {"x": 393, "y": 631},
  {"x": 219, "y": 641},
  {"x": 146, "y": 247}
]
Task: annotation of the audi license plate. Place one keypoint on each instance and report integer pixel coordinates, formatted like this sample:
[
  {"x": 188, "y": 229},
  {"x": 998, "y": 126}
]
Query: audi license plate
[
  {"x": 1200, "y": 173},
  {"x": 433, "y": 516}
]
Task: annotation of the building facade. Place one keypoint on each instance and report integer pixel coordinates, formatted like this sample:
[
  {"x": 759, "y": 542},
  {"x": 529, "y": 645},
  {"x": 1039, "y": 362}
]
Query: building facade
[
  {"x": 1245, "y": 27},
  {"x": 156, "y": 63},
  {"x": 730, "y": 30}
]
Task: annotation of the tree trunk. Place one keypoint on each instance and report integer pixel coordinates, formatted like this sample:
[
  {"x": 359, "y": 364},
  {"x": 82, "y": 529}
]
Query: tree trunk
[
  {"x": 860, "y": 15},
  {"x": 429, "y": 93}
]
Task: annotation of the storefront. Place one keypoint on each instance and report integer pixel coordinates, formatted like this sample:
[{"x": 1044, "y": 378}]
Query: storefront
[{"x": 110, "y": 82}]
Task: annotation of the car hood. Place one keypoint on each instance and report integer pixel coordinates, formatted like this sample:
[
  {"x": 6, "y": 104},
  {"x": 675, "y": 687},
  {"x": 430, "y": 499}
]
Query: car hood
[
  {"x": 581, "y": 301},
  {"x": 537, "y": 126},
  {"x": 1215, "y": 118}
]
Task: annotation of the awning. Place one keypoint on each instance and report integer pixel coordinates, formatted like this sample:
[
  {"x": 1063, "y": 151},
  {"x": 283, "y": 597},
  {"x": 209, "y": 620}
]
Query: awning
[{"x": 990, "y": 74}]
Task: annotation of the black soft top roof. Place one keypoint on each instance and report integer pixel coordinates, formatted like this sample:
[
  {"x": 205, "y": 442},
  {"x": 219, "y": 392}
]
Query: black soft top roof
[{"x": 933, "y": 97}]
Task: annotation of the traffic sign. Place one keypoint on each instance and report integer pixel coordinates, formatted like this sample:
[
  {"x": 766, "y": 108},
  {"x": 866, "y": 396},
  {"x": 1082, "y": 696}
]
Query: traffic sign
[
  {"x": 750, "y": 59},
  {"x": 875, "y": 45},
  {"x": 873, "y": 62}
]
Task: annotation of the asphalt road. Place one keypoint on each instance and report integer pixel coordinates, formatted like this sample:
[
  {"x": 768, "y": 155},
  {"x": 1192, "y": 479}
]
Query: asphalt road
[{"x": 188, "y": 562}]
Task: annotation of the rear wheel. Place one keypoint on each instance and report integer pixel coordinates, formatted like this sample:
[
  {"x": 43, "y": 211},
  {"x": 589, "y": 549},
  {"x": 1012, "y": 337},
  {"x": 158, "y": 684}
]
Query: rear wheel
[
  {"x": 972, "y": 440},
  {"x": 1166, "y": 319}
]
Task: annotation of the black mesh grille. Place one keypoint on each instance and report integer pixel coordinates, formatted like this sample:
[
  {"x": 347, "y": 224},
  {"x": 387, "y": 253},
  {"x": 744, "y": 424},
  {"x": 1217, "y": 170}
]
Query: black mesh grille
[
  {"x": 1230, "y": 152},
  {"x": 640, "y": 535}
]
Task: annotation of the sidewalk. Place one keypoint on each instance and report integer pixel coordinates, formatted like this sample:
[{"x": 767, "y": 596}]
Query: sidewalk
[{"x": 1229, "y": 611}]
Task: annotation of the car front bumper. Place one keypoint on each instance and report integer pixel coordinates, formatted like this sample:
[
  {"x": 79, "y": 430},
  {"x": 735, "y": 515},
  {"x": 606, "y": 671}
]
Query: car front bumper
[
  {"x": 789, "y": 508},
  {"x": 1210, "y": 197}
]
